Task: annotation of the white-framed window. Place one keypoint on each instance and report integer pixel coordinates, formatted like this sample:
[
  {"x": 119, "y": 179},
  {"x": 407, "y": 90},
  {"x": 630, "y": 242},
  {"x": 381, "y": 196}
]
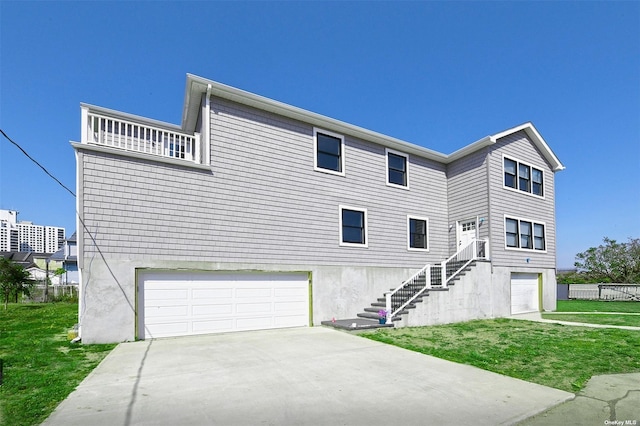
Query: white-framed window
[
  {"x": 522, "y": 177},
  {"x": 417, "y": 233},
  {"x": 397, "y": 168},
  {"x": 328, "y": 152},
  {"x": 524, "y": 234},
  {"x": 353, "y": 226}
]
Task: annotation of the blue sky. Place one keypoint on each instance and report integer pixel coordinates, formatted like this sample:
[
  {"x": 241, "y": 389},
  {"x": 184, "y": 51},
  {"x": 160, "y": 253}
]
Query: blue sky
[{"x": 437, "y": 74}]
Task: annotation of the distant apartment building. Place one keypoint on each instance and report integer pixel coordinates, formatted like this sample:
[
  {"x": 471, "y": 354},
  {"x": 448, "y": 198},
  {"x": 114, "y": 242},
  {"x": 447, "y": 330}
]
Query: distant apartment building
[{"x": 24, "y": 236}]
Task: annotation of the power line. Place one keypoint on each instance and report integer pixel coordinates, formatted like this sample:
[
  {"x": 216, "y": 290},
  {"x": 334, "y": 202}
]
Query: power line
[{"x": 36, "y": 163}]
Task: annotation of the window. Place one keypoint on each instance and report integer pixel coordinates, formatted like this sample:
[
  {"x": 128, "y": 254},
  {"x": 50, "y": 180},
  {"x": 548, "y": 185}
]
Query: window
[
  {"x": 397, "y": 169},
  {"x": 524, "y": 234},
  {"x": 353, "y": 226},
  {"x": 510, "y": 173},
  {"x": 418, "y": 233},
  {"x": 512, "y": 233},
  {"x": 329, "y": 152},
  {"x": 538, "y": 237},
  {"x": 536, "y": 182},
  {"x": 524, "y": 177}
]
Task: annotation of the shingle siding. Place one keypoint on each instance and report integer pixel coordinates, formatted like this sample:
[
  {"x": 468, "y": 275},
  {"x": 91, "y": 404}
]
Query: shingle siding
[
  {"x": 467, "y": 193},
  {"x": 262, "y": 201},
  {"x": 519, "y": 204}
]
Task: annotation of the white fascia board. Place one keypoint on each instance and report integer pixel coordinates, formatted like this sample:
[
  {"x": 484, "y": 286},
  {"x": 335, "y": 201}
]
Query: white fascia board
[
  {"x": 471, "y": 148},
  {"x": 130, "y": 117},
  {"x": 198, "y": 85},
  {"x": 318, "y": 120},
  {"x": 538, "y": 141}
]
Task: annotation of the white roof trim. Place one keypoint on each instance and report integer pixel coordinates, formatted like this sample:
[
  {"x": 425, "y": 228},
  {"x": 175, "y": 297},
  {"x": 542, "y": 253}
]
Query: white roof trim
[{"x": 196, "y": 86}]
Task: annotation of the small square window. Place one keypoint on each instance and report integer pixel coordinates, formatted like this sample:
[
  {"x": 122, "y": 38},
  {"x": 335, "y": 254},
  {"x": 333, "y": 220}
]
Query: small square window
[
  {"x": 353, "y": 226},
  {"x": 329, "y": 152},
  {"x": 397, "y": 169},
  {"x": 418, "y": 233}
]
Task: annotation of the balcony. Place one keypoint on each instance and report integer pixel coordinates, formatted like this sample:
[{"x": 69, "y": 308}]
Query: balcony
[{"x": 130, "y": 133}]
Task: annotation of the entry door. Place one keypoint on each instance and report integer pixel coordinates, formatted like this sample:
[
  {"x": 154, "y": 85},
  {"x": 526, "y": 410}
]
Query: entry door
[{"x": 466, "y": 232}]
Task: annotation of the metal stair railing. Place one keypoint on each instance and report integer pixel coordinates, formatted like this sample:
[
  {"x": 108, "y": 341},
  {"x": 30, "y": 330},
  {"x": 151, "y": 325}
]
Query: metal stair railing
[
  {"x": 476, "y": 249},
  {"x": 407, "y": 292},
  {"x": 428, "y": 276}
]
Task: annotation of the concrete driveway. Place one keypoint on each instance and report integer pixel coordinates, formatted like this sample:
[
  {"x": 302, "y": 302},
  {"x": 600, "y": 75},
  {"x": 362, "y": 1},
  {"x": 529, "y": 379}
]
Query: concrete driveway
[{"x": 301, "y": 376}]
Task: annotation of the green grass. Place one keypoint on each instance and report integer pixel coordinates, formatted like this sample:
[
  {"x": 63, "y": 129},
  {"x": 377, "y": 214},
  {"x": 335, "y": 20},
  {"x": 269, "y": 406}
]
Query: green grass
[
  {"x": 597, "y": 306},
  {"x": 41, "y": 367},
  {"x": 559, "y": 356},
  {"x": 608, "y": 319}
]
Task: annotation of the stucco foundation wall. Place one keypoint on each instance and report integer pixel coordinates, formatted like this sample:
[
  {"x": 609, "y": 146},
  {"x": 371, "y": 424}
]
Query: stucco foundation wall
[
  {"x": 109, "y": 293},
  {"x": 474, "y": 296},
  {"x": 484, "y": 292}
]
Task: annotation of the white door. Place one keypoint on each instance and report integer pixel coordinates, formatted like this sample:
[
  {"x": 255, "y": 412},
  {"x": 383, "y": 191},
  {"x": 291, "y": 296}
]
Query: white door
[
  {"x": 466, "y": 232},
  {"x": 188, "y": 303},
  {"x": 524, "y": 293}
]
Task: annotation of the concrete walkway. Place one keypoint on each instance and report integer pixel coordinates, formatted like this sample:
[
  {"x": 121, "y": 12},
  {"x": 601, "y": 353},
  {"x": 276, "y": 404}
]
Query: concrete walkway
[
  {"x": 537, "y": 316},
  {"x": 605, "y": 400},
  {"x": 301, "y": 376}
]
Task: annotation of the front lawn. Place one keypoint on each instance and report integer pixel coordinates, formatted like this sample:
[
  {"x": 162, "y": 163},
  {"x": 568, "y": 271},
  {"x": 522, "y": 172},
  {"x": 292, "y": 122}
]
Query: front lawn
[
  {"x": 555, "y": 355},
  {"x": 597, "y": 306},
  {"x": 41, "y": 366}
]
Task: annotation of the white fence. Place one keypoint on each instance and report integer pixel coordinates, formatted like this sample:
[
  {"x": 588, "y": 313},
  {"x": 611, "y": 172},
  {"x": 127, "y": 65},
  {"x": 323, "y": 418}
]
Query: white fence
[{"x": 604, "y": 291}]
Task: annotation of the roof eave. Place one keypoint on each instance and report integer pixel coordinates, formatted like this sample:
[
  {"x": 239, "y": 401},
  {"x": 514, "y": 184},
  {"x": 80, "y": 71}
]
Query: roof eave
[{"x": 199, "y": 84}]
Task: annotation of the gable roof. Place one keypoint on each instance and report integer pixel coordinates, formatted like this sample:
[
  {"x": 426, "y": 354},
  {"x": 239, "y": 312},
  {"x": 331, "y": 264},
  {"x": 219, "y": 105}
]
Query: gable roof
[{"x": 196, "y": 87}]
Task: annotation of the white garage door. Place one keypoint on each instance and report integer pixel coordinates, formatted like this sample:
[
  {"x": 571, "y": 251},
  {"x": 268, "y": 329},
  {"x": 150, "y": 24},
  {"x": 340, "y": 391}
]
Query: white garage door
[
  {"x": 187, "y": 303},
  {"x": 524, "y": 293}
]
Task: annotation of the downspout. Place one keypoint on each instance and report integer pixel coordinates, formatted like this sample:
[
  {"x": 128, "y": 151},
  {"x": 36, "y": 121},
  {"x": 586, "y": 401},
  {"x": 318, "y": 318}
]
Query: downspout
[
  {"x": 489, "y": 213},
  {"x": 207, "y": 124}
]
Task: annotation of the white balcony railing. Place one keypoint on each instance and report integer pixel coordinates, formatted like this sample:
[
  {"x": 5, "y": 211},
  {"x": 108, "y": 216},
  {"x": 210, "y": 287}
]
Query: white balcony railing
[{"x": 129, "y": 135}]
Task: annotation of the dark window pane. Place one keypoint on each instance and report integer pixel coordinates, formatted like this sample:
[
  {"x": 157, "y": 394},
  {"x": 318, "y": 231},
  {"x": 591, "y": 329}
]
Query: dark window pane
[
  {"x": 418, "y": 241},
  {"x": 397, "y": 177},
  {"x": 397, "y": 162},
  {"x": 328, "y": 144},
  {"x": 417, "y": 233},
  {"x": 327, "y": 161},
  {"x": 352, "y": 235},
  {"x": 353, "y": 218}
]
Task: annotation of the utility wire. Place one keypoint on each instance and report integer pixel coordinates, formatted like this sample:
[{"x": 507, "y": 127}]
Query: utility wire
[
  {"x": 36, "y": 162},
  {"x": 79, "y": 218}
]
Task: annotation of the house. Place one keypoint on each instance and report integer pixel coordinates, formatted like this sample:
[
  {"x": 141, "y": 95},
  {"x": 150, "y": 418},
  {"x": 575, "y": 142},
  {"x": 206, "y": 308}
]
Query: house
[
  {"x": 255, "y": 214},
  {"x": 68, "y": 258}
]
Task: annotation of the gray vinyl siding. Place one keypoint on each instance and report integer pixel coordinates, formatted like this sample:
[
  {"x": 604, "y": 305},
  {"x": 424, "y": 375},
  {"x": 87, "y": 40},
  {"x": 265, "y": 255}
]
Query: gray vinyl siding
[
  {"x": 468, "y": 193},
  {"x": 519, "y": 204},
  {"x": 262, "y": 201}
]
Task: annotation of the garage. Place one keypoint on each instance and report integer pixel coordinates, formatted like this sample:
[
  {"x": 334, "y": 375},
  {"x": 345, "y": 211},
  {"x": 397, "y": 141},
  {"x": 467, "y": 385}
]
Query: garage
[
  {"x": 189, "y": 303},
  {"x": 524, "y": 293}
]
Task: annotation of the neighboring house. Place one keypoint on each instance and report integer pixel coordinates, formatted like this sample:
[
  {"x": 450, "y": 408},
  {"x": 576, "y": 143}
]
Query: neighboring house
[
  {"x": 68, "y": 258},
  {"x": 255, "y": 214}
]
